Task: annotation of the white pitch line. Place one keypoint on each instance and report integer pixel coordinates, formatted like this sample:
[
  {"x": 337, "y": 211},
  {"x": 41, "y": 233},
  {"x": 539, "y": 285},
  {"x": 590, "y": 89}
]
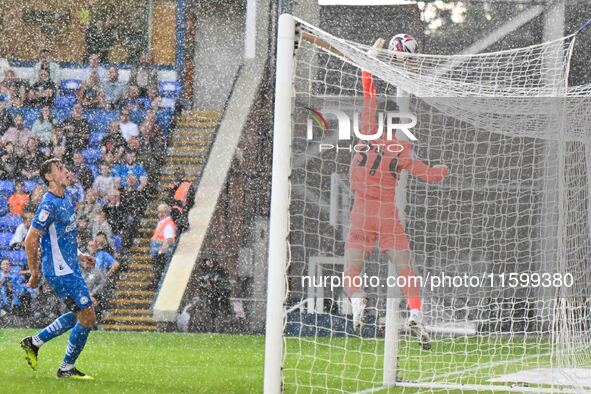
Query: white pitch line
[{"x": 463, "y": 371}]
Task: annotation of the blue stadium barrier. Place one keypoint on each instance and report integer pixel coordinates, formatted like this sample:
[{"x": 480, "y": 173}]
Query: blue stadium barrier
[
  {"x": 95, "y": 139},
  {"x": 70, "y": 86},
  {"x": 169, "y": 89},
  {"x": 91, "y": 156},
  {"x": 9, "y": 222},
  {"x": 6, "y": 187},
  {"x": 5, "y": 238},
  {"x": 64, "y": 102}
]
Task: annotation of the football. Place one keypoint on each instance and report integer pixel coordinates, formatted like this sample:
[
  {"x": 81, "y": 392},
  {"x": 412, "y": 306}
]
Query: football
[{"x": 403, "y": 43}]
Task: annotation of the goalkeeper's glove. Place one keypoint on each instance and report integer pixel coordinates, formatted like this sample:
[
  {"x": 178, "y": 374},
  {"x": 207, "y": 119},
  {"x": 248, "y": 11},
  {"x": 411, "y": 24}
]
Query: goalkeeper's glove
[{"x": 376, "y": 47}]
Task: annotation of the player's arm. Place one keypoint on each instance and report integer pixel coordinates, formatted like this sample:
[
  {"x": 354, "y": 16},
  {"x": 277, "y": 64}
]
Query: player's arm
[
  {"x": 32, "y": 251},
  {"x": 418, "y": 168},
  {"x": 113, "y": 268},
  {"x": 43, "y": 218},
  {"x": 86, "y": 258},
  {"x": 369, "y": 112}
]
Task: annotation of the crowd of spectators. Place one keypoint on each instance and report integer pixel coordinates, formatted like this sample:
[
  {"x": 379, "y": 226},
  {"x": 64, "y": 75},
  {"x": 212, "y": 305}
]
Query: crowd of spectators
[{"x": 112, "y": 183}]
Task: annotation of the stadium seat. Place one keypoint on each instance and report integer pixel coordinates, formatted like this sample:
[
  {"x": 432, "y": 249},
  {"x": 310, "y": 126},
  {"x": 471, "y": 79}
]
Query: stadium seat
[
  {"x": 169, "y": 89},
  {"x": 70, "y": 86},
  {"x": 29, "y": 186},
  {"x": 167, "y": 102},
  {"x": 64, "y": 102},
  {"x": 99, "y": 119},
  {"x": 6, "y": 188},
  {"x": 91, "y": 156},
  {"x": 137, "y": 116},
  {"x": 61, "y": 114},
  {"x": 163, "y": 118},
  {"x": 5, "y": 238},
  {"x": 15, "y": 269},
  {"x": 95, "y": 139},
  {"x": 144, "y": 102},
  {"x": 15, "y": 256},
  {"x": 117, "y": 243},
  {"x": 3, "y": 205},
  {"x": 9, "y": 222},
  {"x": 94, "y": 169},
  {"x": 30, "y": 114}
]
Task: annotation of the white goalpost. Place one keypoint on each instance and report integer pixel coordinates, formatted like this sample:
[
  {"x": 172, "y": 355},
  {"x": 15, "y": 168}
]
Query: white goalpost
[{"x": 515, "y": 209}]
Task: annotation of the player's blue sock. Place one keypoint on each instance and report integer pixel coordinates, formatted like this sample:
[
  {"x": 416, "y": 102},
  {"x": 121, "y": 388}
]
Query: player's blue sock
[
  {"x": 60, "y": 325},
  {"x": 76, "y": 343}
]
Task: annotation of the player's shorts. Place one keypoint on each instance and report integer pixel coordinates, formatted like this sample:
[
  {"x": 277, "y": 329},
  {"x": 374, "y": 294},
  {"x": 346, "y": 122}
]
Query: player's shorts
[
  {"x": 373, "y": 221},
  {"x": 72, "y": 290}
]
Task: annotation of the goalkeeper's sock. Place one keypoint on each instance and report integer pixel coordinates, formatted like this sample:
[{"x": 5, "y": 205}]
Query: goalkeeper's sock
[
  {"x": 411, "y": 290},
  {"x": 60, "y": 325},
  {"x": 349, "y": 277}
]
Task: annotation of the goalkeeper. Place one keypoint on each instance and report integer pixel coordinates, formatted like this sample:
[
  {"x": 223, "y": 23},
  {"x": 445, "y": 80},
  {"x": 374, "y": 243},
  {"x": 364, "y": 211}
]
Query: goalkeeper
[{"x": 374, "y": 218}]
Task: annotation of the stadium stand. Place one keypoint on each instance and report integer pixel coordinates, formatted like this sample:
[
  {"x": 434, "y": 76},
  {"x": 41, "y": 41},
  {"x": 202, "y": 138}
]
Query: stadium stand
[
  {"x": 99, "y": 120},
  {"x": 188, "y": 149}
]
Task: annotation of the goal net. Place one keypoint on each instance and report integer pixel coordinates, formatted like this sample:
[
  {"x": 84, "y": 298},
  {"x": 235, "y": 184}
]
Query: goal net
[{"x": 500, "y": 249}]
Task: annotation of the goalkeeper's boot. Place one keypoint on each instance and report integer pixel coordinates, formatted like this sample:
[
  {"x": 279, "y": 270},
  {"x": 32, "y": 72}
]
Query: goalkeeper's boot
[
  {"x": 73, "y": 373},
  {"x": 31, "y": 351},
  {"x": 358, "y": 303},
  {"x": 415, "y": 324}
]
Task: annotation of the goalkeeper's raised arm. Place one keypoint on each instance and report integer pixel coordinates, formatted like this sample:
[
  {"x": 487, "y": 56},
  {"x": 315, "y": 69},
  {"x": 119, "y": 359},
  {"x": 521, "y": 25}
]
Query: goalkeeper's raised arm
[{"x": 430, "y": 174}]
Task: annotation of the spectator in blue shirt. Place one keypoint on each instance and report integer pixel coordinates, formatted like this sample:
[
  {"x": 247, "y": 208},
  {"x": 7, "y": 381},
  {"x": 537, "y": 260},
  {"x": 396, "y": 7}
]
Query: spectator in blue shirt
[
  {"x": 130, "y": 171},
  {"x": 13, "y": 292},
  {"x": 104, "y": 261}
]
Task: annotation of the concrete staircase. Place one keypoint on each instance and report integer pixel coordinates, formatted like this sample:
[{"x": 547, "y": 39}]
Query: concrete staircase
[{"x": 188, "y": 149}]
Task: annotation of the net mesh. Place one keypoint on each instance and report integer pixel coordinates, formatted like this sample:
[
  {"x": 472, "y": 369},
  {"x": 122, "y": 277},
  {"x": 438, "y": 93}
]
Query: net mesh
[{"x": 515, "y": 139}]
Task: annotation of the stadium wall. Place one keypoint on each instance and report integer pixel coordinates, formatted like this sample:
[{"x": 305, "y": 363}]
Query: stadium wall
[
  {"x": 61, "y": 25},
  {"x": 213, "y": 182},
  {"x": 219, "y": 48}
]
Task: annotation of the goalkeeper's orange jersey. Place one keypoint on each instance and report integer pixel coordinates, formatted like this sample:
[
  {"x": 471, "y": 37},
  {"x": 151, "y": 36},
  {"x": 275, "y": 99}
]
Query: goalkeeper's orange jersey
[{"x": 374, "y": 174}]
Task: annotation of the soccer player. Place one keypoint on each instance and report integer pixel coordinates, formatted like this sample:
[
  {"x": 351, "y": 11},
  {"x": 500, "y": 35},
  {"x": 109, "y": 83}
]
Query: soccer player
[
  {"x": 374, "y": 217},
  {"x": 54, "y": 232}
]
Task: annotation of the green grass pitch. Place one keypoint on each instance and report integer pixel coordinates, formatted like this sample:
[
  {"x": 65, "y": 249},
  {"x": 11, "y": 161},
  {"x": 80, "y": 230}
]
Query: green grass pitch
[{"x": 123, "y": 362}]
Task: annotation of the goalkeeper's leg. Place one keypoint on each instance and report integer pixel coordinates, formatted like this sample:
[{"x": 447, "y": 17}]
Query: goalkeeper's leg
[
  {"x": 401, "y": 259},
  {"x": 354, "y": 262}
]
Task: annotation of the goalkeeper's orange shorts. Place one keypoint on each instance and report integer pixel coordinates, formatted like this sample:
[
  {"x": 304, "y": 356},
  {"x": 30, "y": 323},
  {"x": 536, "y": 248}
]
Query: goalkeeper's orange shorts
[{"x": 373, "y": 221}]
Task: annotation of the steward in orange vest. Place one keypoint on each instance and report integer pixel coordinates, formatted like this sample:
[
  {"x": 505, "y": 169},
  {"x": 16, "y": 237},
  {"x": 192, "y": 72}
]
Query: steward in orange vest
[
  {"x": 181, "y": 197},
  {"x": 164, "y": 236}
]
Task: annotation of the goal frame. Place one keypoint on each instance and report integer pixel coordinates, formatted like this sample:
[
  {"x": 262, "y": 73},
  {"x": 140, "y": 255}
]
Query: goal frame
[
  {"x": 279, "y": 226},
  {"x": 279, "y": 218}
]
